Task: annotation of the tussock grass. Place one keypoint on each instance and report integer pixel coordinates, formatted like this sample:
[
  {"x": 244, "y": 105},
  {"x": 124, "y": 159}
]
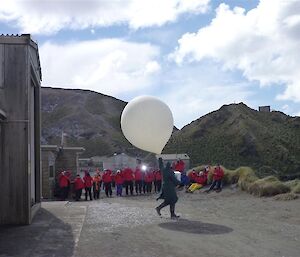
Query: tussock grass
[
  {"x": 294, "y": 185},
  {"x": 286, "y": 197},
  {"x": 247, "y": 180},
  {"x": 268, "y": 186}
]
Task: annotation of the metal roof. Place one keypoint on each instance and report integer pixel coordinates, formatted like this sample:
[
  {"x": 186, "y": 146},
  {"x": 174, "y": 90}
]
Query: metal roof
[
  {"x": 182, "y": 156},
  {"x": 56, "y": 147}
]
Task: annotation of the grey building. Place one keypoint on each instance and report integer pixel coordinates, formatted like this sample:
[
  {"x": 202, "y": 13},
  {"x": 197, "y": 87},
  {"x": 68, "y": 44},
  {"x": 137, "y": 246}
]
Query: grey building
[
  {"x": 20, "y": 76},
  {"x": 264, "y": 108},
  {"x": 113, "y": 162},
  {"x": 174, "y": 157}
]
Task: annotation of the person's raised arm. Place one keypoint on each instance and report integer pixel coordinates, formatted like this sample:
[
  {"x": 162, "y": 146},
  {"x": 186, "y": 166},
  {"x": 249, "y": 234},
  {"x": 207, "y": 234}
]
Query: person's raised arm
[{"x": 160, "y": 164}]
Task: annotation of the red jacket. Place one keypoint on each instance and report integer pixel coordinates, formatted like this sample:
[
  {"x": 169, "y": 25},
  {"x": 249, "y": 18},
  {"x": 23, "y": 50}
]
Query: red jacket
[
  {"x": 148, "y": 177},
  {"x": 106, "y": 178},
  {"x": 138, "y": 175},
  {"x": 88, "y": 181},
  {"x": 192, "y": 175},
  {"x": 179, "y": 166},
  {"x": 201, "y": 179},
  {"x": 63, "y": 181},
  {"x": 151, "y": 176},
  {"x": 158, "y": 176},
  {"x": 78, "y": 183},
  {"x": 128, "y": 174},
  {"x": 119, "y": 179},
  {"x": 218, "y": 173},
  {"x": 113, "y": 177}
]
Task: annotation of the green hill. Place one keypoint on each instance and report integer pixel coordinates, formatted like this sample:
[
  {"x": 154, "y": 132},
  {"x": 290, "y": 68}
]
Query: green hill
[
  {"x": 236, "y": 135},
  {"x": 89, "y": 119}
]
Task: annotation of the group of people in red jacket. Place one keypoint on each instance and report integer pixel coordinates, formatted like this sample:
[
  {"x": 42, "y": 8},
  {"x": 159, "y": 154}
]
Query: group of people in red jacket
[
  {"x": 198, "y": 180},
  {"x": 141, "y": 181}
]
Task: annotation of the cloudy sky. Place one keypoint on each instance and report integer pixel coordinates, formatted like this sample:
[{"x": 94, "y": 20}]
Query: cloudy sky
[{"x": 195, "y": 55}]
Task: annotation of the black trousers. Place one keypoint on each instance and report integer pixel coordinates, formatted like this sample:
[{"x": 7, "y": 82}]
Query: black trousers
[
  {"x": 149, "y": 187},
  {"x": 138, "y": 186},
  {"x": 64, "y": 193},
  {"x": 129, "y": 185},
  {"x": 217, "y": 183},
  {"x": 172, "y": 207},
  {"x": 107, "y": 187},
  {"x": 157, "y": 186},
  {"x": 144, "y": 187},
  {"x": 88, "y": 191},
  {"x": 96, "y": 194},
  {"x": 78, "y": 193}
]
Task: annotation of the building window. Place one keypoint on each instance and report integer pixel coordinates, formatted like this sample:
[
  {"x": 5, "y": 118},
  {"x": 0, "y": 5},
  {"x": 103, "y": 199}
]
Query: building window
[{"x": 51, "y": 171}]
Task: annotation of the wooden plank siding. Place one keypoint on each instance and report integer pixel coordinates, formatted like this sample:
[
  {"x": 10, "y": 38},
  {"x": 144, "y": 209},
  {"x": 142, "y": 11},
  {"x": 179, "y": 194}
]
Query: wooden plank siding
[{"x": 20, "y": 132}]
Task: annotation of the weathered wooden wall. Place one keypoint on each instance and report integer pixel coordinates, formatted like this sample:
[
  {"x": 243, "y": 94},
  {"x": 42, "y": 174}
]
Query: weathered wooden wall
[
  {"x": 18, "y": 135},
  {"x": 48, "y": 159}
]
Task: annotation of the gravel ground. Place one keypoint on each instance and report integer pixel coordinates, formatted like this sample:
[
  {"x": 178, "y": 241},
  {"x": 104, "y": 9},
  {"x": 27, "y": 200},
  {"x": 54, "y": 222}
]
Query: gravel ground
[{"x": 231, "y": 223}]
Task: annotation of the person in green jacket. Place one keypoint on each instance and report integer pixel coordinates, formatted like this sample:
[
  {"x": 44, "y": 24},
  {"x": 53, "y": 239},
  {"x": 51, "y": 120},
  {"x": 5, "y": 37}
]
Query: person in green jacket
[{"x": 169, "y": 189}]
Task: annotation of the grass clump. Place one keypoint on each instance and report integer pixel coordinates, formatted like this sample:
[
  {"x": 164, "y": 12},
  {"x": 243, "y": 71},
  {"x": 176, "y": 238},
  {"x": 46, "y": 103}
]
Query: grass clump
[
  {"x": 268, "y": 186},
  {"x": 294, "y": 185},
  {"x": 247, "y": 180},
  {"x": 286, "y": 197}
]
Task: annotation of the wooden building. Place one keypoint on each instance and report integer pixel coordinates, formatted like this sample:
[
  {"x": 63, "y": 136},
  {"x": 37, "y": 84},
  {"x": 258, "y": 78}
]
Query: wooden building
[
  {"x": 20, "y": 76},
  {"x": 54, "y": 160}
]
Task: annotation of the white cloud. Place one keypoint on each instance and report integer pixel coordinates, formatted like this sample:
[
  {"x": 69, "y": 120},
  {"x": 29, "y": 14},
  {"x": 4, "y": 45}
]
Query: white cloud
[
  {"x": 50, "y": 16},
  {"x": 196, "y": 89},
  {"x": 263, "y": 43},
  {"x": 109, "y": 66}
]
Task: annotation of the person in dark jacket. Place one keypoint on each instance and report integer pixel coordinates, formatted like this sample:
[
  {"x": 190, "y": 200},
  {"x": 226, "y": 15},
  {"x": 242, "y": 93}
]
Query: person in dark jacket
[{"x": 169, "y": 189}]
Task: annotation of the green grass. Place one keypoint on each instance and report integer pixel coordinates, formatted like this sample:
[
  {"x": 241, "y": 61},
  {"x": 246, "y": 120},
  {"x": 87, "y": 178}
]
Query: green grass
[{"x": 236, "y": 135}]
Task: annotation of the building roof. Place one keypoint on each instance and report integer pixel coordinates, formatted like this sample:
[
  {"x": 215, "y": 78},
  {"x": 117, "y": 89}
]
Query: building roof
[
  {"x": 56, "y": 147},
  {"x": 23, "y": 39},
  {"x": 182, "y": 156},
  {"x": 2, "y": 114}
]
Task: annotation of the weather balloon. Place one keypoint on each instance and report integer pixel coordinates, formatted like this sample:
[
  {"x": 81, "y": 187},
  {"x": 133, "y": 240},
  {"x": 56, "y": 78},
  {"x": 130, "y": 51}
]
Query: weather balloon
[{"x": 147, "y": 123}]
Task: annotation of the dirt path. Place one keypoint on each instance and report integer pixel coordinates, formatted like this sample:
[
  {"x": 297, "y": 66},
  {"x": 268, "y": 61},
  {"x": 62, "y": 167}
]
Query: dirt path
[{"x": 231, "y": 223}]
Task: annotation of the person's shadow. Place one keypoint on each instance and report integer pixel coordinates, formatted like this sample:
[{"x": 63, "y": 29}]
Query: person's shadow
[
  {"x": 195, "y": 227},
  {"x": 46, "y": 236}
]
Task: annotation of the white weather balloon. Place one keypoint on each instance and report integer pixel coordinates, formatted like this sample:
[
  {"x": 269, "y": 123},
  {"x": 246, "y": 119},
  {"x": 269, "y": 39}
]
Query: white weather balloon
[{"x": 147, "y": 123}]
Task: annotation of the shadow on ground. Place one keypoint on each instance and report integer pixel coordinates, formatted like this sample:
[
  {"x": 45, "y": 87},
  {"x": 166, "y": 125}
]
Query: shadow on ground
[
  {"x": 195, "y": 227},
  {"x": 46, "y": 236}
]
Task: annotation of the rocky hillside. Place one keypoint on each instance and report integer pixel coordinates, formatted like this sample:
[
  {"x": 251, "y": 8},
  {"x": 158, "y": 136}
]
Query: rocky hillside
[
  {"x": 89, "y": 119},
  {"x": 236, "y": 135}
]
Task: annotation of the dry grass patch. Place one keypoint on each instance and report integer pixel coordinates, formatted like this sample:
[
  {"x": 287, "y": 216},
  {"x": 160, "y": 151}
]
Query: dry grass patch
[
  {"x": 294, "y": 185},
  {"x": 286, "y": 197},
  {"x": 268, "y": 186},
  {"x": 247, "y": 180}
]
